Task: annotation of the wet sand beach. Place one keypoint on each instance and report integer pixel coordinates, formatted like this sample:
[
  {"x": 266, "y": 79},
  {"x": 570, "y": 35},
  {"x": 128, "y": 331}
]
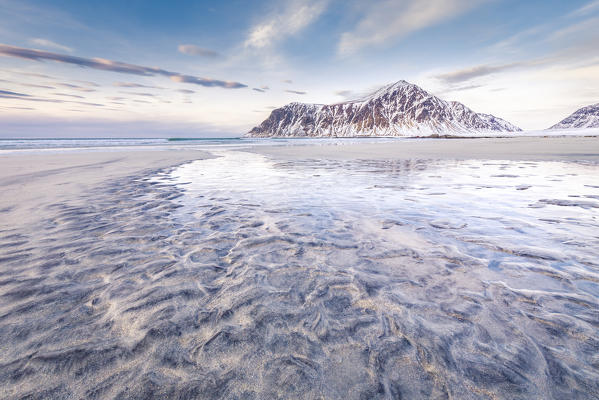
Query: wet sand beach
[
  {"x": 430, "y": 269},
  {"x": 517, "y": 148},
  {"x": 31, "y": 180}
]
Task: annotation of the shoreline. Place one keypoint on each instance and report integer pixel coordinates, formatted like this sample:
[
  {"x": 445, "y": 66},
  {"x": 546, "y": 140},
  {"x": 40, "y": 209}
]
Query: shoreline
[
  {"x": 32, "y": 181},
  {"x": 34, "y": 178},
  {"x": 566, "y": 148}
]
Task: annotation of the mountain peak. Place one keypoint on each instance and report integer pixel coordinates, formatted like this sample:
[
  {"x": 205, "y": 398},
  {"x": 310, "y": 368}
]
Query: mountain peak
[
  {"x": 389, "y": 89},
  {"x": 585, "y": 117},
  {"x": 398, "y": 109}
]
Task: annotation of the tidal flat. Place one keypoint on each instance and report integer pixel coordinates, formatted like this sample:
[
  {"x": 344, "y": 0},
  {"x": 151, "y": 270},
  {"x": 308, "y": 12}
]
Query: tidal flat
[{"x": 354, "y": 270}]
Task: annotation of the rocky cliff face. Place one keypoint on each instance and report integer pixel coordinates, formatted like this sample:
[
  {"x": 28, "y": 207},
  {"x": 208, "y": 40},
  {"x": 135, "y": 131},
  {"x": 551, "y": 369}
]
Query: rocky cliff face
[
  {"x": 586, "y": 117},
  {"x": 399, "y": 109}
]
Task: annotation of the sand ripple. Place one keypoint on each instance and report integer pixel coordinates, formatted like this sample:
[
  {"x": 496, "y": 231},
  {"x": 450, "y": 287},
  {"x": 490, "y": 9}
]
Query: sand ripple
[{"x": 353, "y": 280}]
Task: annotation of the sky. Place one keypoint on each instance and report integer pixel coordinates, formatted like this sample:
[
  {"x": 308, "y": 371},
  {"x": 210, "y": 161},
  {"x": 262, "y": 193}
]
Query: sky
[{"x": 145, "y": 68}]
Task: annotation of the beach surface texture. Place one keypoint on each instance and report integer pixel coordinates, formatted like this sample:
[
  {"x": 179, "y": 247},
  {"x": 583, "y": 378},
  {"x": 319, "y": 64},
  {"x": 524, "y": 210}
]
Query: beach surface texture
[{"x": 304, "y": 269}]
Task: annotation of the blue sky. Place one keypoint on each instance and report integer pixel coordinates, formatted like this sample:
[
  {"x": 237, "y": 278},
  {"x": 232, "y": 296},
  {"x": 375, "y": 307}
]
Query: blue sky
[{"x": 206, "y": 68}]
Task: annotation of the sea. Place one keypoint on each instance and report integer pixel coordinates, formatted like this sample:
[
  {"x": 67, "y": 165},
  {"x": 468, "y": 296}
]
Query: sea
[{"x": 91, "y": 144}]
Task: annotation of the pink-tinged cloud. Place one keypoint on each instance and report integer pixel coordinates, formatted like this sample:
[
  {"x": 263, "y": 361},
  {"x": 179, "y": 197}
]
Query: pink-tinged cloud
[{"x": 114, "y": 66}]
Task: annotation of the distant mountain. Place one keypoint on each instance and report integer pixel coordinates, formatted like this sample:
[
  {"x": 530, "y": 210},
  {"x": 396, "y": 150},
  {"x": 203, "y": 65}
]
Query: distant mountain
[
  {"x": 399, "y": 109},
  {"x": 586, "y": 117}
]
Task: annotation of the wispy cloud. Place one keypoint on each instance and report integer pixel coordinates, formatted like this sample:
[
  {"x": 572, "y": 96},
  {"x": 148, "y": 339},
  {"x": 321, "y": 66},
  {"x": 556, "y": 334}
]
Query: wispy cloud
[
  {"x": 33, "y": 85},
  {"x": 293, "y": 18},
  {"x": 140, "y": 94},
  {"x": 186, "y": 91},
  {"x": 135, "y": 85},
  {"x": 344, "y": 93},
  {"x": 35, "y": 75},
  {"x": 50, "y": 44},
  {"x": 295, "y": 91},
  {"x": 288, "y": 81},
  {"x": 75, "y": 96},
  {"x": 573, "y": 45},
  {"x": 193, "y": 50},
  {"x": 205, "y": 81},
  {"x": 75, "y": 87},
  {"x": 582, "y": 29},
  {"x": 29, "y": 74},
  {"x": 114, "y": 66},
  {"x": 513, "y": 43},
  {"x": 259, "y": 90},
  {"x": 457, "y": 88},
  {"x": 8, "y": 93},
  {"x": 358, "y": 94},
  {"x": 588, "y": 8},
  {"x": 85, "y": 103},
  {"x": 7, "y": 96},
  {"x": 20, "y": 108},
  {"x": 88, "y": 83},
  {"x": 389, "y": 20},
  {"x": 349, "y": 95},
  {"x": 466, "y": 74}
]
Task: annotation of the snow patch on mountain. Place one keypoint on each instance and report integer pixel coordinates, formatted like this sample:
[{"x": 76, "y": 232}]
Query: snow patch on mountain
[
  {"x": 398, "y": 109},
  {"x": 585, "y": 117}
]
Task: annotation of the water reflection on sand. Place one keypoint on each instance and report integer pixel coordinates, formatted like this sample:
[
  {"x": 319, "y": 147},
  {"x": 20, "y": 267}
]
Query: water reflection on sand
[{"x": 245, "y": 277}]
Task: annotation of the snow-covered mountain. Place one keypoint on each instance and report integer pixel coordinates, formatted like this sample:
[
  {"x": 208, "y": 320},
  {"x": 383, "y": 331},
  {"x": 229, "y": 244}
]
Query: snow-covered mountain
[
  {"x": 585, "y": 117},
  {"x": 398, "y": 109}
]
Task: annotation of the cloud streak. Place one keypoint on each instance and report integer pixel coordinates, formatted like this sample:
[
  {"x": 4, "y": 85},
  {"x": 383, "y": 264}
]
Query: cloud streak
[
  {"x": 88, "y": 83},
  {"x": 21, "y": 96},
  {"x": 390, "y": 20},
  {"x": 33, "y": 85},
  {"x": 295, "y": 92},
  {"x": 141, "y": 94},
  {"x": 7, "y": 94},
  {"x": 50, "y": 44},
  {"x": 466, "y": 74},
  {"x": 193, "y": 50},
  {"x": 75, "y": 87},
  {"x": 20, "y": 108},
  {"x": 135, "y": 85},
  {"x": 114, "y": 66},
  {"x": 75, "y": 96},
  {"x": 10, "y": 94},
  {"x": 344, "y": 93},
  {"x": 588, "y": 8}
]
